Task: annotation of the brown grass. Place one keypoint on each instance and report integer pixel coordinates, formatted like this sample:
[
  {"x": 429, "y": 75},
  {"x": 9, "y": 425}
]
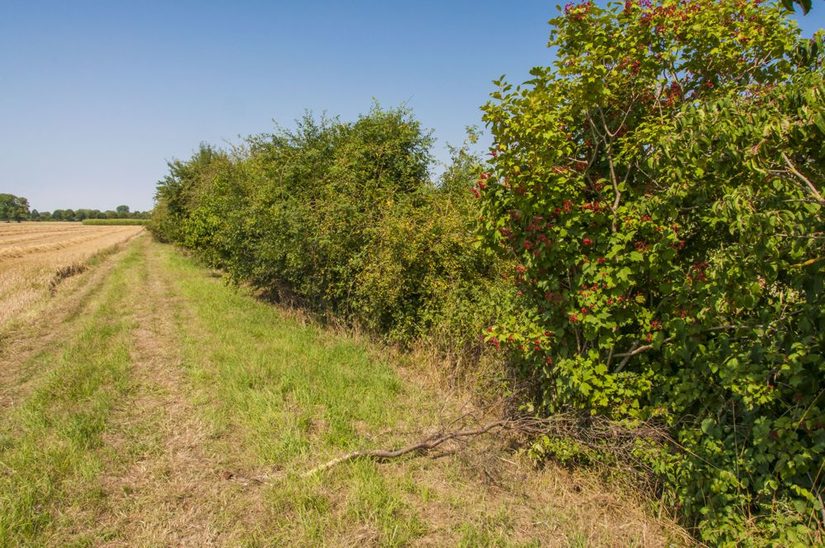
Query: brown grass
[{"x": 36, "y": 257}]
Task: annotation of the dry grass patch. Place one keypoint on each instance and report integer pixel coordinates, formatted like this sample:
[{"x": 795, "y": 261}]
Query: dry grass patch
[{"x": 36, "y": 257}]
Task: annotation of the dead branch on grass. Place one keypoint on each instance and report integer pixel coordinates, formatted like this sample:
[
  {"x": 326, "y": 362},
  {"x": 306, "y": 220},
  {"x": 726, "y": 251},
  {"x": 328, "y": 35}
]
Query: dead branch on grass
[
  {"x": 592, "y": 432},
  {"x": 427, "y": 444}
]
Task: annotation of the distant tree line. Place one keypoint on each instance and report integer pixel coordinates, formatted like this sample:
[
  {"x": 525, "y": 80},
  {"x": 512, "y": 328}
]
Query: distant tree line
[
  {"x": 16, "y": 208},
  {"x": 121, "y": 212}
]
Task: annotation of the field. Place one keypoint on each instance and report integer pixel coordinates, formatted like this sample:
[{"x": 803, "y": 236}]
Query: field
[
  {"x": 143, "y": 401},
  {"x": 36, "y": 257}
]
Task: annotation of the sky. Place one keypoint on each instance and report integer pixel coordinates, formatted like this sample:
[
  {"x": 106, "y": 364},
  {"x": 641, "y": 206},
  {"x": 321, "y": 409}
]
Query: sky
[{"x": 96, "y": 97}]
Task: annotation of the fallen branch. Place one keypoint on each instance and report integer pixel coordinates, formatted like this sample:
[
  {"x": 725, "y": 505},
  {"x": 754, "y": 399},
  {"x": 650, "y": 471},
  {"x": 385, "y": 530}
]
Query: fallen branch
[
  {"x": 592, "y": 432},
  {"x": 423, "y": 446}
]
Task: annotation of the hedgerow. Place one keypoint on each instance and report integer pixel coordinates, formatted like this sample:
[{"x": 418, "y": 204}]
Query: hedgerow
[
  {"x": 345, "y": 218},
  {"x": 659, "y": 189}
]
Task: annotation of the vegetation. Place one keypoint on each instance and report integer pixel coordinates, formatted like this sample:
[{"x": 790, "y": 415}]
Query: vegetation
[
  {"x": 660, "y": 189},
  {"x": 121, "y": 212},
  {"x": 49, "y": 445},
  {"x": 13, "y": 208},
  {"x": 36, "y": 259},
  {"x": 343, "y": 217},
  {"x": 656, "y": 198},
  {"x": 190, "y": 423},
  {"x": 16, "y": 208},
  {"x": 111, "y": 222}
]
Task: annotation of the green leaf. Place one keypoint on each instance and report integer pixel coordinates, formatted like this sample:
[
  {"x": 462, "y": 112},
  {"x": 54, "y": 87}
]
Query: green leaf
[{"x": 708, "y": 425}]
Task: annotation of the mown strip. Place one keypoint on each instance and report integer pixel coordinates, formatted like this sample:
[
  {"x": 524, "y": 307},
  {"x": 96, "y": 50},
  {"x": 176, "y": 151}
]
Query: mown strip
[
  {"x": 282, "y": 395},
  {"x": 49, "y": 443}
]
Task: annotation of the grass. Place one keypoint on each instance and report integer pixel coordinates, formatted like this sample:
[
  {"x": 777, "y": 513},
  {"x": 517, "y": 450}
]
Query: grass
[
  {"x": 283, "y": 395},
  {"x": 33, "y": 256},
  {"x": 179, "y": 410},
  {"x": 295, "y": 399},
  {"x": 109, "y": 222},
  {"x": 49, "y": 445}
]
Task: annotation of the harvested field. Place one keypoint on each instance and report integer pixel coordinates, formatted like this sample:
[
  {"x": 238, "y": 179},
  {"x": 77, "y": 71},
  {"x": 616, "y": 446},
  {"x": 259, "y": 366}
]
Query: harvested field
[{"x": 36, "y": 257}]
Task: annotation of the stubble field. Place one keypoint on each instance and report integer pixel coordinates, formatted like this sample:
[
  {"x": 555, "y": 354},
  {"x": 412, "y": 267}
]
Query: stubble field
[{"x": 36, "y": 257}]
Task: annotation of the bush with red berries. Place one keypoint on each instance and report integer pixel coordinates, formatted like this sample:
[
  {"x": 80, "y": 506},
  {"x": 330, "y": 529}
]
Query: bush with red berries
[{"x": 660, "y": 190}]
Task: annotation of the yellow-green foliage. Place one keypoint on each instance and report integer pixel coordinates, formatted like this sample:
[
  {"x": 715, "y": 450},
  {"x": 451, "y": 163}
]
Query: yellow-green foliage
[{"x": 345, "y": 217}]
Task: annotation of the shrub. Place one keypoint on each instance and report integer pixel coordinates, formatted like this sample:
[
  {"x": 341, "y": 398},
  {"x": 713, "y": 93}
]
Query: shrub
[
  {"x": 653, "y": 186},
  {"x": 345, "y": 218}
]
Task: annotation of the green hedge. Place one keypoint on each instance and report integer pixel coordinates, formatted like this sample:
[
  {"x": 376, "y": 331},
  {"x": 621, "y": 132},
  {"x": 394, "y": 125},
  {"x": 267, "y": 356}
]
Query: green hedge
[
  {"x": 661, "y": 186},
  {"x": 345, "y": 218}
]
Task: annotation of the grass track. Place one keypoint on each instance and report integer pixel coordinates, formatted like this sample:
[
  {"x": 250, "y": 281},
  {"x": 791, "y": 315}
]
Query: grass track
[
  {"x": 49, "y": 444},
  {"x": 179, "y": 410}
]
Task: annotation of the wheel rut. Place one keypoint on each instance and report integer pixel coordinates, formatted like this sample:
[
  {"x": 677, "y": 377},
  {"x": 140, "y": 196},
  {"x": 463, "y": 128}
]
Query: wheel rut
[{"x": 165, "y": 487}]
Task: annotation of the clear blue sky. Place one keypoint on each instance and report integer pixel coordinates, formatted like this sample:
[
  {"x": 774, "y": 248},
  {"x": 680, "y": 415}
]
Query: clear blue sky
[{"x": 95, "y": 97}]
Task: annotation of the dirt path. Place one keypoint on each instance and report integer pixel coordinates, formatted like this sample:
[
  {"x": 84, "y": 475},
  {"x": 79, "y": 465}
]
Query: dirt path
[{"x": 171, "y": 490}]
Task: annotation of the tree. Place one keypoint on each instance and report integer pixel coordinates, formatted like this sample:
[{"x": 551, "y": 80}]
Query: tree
[
  {"x": 660, "y": 188},
  {"x": 6, "y": 206},
  {"x": 13, "y": 208}
]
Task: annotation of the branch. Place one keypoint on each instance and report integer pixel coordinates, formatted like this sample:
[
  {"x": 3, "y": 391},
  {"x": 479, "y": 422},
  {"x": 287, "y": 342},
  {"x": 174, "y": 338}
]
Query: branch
[
  {"x": 592, "y": 432},
  {"x": 634, "y": 350},
  {"x": 804, "y": 179},
  {"x": 423, "y": 446}
]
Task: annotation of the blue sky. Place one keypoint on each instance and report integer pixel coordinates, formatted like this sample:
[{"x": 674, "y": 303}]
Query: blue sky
[{"x": 95, "y": 97}]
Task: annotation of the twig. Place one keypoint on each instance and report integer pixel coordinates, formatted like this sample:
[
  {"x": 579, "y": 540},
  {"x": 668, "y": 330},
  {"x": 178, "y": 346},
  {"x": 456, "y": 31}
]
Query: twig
[
  {"x": 804, "y": 179},
  {"x": 635, "y": 349},
  {"x": 592, "y": 432}
]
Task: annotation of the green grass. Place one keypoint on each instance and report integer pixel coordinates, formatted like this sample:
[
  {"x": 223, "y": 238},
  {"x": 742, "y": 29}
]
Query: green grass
[
  {"x": 49, "y": 445},
  {"x": 291, "y": 396},
  {"x": 268, "y": 396},
  {"x": 115, "y": 221}
]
